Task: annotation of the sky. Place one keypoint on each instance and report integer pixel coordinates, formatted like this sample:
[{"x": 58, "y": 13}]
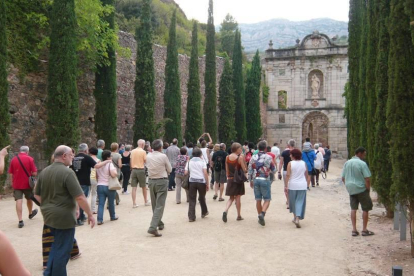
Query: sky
[{"x": 253, "y": 11}]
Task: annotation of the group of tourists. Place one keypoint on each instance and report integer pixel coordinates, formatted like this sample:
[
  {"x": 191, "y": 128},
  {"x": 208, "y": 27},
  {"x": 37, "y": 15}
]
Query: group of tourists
[{"x": 63, "y": 187}]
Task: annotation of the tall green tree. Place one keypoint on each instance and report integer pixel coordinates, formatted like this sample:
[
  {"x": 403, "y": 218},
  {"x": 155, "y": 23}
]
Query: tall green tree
[
  {"x": 238, "y": 85},
  {"x": 370, "y": 77},
  {"x": 210, "y": 102},
  {"x": 227, "y": 34},
  {"x": 172, "y": 93},
  {"x": 381, "y": 136},
  {"x": 354, "y": 28},
  {"x": 400, "y": 111},
  {"x": 227, "y": 107},
  {"x": 105, "y": 90},
  {"x": 194, "y": 120},
  {"x": 62, "y": 126},
  {"x": 253, "y": 119},
  {"x": 144, "y": 126},
  {"x": 4, "y": 101},
  {"x": 362, "y": 103}
]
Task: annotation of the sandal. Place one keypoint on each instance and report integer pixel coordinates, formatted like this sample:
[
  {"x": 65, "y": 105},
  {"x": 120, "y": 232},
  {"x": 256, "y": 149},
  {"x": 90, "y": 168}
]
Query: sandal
[
  {"x": 240, "y": 218},
  {"x": 367, "y": 233},
  {"x": 215, "y": 197},
  {"x": 221, "y": 199},
  {"x": 355, "y": 233}
]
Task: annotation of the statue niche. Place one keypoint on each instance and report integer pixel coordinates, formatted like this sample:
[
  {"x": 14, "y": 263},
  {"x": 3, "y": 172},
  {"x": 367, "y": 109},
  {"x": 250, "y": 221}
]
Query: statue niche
[{"x": 315, "y": 84}]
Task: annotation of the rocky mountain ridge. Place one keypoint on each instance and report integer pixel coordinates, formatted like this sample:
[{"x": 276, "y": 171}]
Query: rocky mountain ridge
[{"x": 284, "y": 32}]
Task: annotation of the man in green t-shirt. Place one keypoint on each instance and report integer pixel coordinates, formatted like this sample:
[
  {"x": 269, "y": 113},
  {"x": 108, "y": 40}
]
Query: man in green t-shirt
[
  {"x": 59, "y": 192},
  {"x": 356, "y": 176}
]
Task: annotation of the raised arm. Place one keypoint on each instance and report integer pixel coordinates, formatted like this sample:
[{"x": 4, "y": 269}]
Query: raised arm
[{"x": 3, "y": 154}]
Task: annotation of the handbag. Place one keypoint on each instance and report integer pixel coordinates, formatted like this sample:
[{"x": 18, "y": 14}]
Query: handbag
[
  {"x": 32, "y": 179},
  {"x": 113, "y": 183},
  {"x": 186, "y": 181},
  {"x": 121, "y": 175},
  {"x": 239, "y": 175}
]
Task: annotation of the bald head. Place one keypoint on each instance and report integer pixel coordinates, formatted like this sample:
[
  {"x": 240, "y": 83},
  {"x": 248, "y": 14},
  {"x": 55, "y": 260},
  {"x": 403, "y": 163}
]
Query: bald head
[
  {"x": 141, "y": 143},
  {"x": 63, "y": 154}
]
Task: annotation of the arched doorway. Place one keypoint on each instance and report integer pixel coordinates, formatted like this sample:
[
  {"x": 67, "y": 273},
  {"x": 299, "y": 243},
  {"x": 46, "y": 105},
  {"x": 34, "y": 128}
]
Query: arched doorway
[{"x": 315, "y": 126}]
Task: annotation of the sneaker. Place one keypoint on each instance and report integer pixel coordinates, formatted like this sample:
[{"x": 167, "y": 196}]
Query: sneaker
[
  {"x": 203, "y": 216},
  {"x": 33, "y": 214},
  {"x": 148, "y": 203},
  {"x": 261, "y": 220},
  {"x": 224, "y": 218},
  {"x": 135, "y": 206},
  {"x": 125, "y": 193},
  {"x": 100, "y": 222},
  {"x": 115, "y": 218},
  {"x": 21, "y": 224},
  {"x": 80, "y": 223}
]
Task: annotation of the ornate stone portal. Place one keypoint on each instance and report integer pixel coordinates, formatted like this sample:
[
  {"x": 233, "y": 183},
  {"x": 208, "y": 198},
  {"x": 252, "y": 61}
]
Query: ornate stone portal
[{"x": 306, "y": 83}]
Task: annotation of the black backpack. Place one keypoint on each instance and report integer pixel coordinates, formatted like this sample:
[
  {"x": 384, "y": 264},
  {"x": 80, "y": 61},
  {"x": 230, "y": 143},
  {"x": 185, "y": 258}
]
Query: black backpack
[{"x": 218, "y": 164}]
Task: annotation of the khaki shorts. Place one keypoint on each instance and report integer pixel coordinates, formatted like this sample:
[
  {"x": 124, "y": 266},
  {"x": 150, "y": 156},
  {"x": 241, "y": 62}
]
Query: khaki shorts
[
  {"x": 364, "y": 199},
  {"x": 220, "y": 177},
  {"x": 18, "y": 194},
  {"x": 138, "y": 176}
]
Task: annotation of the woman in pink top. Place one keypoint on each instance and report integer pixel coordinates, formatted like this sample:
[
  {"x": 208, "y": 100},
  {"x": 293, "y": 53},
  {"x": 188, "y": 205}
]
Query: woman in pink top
[{"x": 103, "y": 174}]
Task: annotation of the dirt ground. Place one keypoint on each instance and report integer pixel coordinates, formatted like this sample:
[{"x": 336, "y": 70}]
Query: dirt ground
[{"x": 323, "y": 246}]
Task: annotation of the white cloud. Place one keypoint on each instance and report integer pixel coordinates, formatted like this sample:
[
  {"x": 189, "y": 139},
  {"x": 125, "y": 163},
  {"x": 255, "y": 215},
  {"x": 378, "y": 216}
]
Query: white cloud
[{"x": 252, "y": 11}]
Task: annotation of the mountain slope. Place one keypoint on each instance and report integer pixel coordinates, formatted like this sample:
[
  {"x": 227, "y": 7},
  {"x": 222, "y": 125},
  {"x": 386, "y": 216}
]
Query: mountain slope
[{"x": 284, "y": 32}]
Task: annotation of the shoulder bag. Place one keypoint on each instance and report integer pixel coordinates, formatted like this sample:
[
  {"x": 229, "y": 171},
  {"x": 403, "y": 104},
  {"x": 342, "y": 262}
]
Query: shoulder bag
[
  {"x": 113, "y": 183},
  {"x": 32, "y": 179},
  {"x": 239, "y": 175},
  {"x": 186, "y": 180},
  {"x": 121, "y": 175}
]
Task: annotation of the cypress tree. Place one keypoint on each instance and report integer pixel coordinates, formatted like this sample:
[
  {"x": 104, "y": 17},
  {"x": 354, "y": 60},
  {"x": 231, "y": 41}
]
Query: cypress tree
[
  {"x": 238, "y": 85},
  {"x": 380, "y": 149},
  {"x": 400, "y": 111},
  {"x": 172, "y": 93},
  {"x": 62, "y": 127},
  {"x": 194, "y": 121},
  {"x": 105, "y": 91},
  {"x": 144, "y": 126},
  {"x": 362, "y": 95},
  {"x": 210, "y": 102},
  {"x": 371, "y": 59},
  {"x": 409, "y": 7},
  {"x": 4, "y": 101},
  {"x": 354, "y": 26},
  {"x": 253, "y": 121},
  {"x": 227, "y": 106}
]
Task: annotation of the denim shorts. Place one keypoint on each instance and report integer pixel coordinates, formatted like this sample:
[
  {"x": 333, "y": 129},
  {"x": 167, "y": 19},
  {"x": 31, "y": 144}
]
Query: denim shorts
[{"x": 262, "y": 189}]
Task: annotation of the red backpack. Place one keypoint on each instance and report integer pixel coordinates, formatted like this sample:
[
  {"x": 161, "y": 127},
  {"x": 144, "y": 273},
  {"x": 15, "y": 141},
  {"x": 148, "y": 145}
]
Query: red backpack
[{"x": 248, "y": 156}]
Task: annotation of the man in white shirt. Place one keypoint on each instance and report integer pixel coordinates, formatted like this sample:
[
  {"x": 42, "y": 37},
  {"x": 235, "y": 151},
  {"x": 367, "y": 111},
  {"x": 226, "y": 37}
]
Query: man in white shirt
[{"x": 276, "y": 151}]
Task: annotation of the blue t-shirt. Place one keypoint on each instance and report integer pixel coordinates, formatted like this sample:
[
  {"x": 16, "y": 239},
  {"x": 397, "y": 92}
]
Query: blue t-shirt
[{"x": 309, "y": 158}]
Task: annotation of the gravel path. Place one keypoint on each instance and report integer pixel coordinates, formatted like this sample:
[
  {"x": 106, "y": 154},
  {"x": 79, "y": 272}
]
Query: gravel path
[{"x": 207, "y": 246}]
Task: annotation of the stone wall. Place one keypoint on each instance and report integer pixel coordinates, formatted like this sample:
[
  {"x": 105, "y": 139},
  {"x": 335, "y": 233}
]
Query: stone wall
[{"x": 27, "y": 100}]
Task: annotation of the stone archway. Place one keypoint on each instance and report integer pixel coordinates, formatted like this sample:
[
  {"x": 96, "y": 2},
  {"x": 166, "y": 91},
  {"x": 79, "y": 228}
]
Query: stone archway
[{"x": 315, "y": 126}]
